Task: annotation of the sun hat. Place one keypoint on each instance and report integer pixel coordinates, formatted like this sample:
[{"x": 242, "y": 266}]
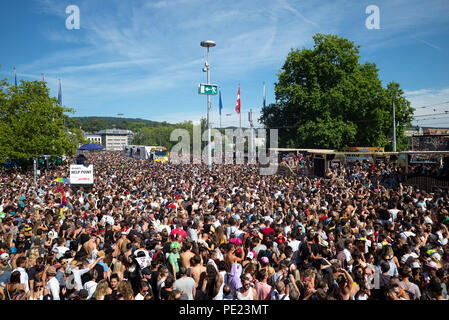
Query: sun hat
[
  {"x": 51, "y": 271},
  {"x": 432, "y": 265}
]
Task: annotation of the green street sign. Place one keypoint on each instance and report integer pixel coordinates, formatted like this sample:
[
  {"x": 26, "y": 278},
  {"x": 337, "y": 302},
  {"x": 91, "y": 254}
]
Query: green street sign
[{"x": 208, "y": 89}]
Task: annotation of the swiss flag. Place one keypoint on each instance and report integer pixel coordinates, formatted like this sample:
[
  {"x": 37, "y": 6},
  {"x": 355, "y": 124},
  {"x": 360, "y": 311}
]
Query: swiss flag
[{"x": 237, "y": 107}]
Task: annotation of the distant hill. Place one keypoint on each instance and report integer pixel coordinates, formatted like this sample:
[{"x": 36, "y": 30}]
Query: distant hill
[{"x": 92, "y": 124}]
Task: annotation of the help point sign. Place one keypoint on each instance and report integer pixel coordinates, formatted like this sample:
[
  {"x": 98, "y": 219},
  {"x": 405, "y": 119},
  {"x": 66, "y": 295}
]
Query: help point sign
[{"x": 80, "y": 174}]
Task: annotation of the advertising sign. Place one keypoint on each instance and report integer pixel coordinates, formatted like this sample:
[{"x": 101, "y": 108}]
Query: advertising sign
[{"x": 81, "y": 174}]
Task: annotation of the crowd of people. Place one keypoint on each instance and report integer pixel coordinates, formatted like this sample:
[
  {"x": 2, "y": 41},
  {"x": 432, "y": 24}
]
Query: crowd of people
[{"x": 150, "y": 231}]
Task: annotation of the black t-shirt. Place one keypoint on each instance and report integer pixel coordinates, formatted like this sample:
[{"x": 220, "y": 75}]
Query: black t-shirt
[
  {"x": 207, "y": 227},
  {"x": 153, "y": 282},
  {"x": 384, "y": 214},
  {"x": 164, "y": 294},
  {"x": 165, "y": 248},
  {"x": 109, "y": 237},
  {"x": 315, "y": 248},
  {"x": 33, "y": 271},
  {"x": 86, "y": 278},
  {"x": 131, "y": 235}
]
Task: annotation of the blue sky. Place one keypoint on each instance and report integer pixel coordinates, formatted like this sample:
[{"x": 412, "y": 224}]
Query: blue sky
[{"x": 143, "y": 58}]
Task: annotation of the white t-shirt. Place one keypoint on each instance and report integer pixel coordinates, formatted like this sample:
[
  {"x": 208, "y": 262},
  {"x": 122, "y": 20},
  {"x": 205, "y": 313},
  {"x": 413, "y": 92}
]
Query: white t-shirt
[
  {"x": 408, "y": 256},
  {"x": 348, "y": 257},
  {"x": 108, "y": 219},
  {"x": 404, "y": 235},
  {"x": 239, "y": 234},
  {"x": 53, "y": 288},
  {"x": 393, "y": 214},
  {"x": 90, "y": 286},
  {"x": 139, "y": 297},
  {"x": 61, "y": 251},
  {"x": 294, "y": 245},
  {"x": 23, "y": 278},
  {"x": 275, "y": 295},
  {"x": 230, "y": 230}
]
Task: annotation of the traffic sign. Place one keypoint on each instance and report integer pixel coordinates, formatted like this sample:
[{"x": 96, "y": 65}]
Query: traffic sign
[{"x": 211, "y": 89}]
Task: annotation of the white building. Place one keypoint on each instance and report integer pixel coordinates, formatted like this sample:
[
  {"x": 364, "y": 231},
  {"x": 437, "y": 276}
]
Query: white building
[
  {"x": 92, "y": 138},
  {"x": 114, "y": 139}
]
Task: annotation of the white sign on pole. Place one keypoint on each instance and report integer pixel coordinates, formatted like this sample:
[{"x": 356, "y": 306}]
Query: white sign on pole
[{"x": 80, "y": 174}]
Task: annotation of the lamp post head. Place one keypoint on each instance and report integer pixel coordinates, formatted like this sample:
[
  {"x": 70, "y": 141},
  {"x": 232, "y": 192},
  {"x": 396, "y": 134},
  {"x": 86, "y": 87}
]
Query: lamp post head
[{"x": 208, "y": 43}]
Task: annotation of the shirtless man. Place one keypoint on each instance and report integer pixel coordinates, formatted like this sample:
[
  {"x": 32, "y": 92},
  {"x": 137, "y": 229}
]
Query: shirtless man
[
  {"x": 186, "y": 255},
  {"x": 198, "y": 273},
  {"x": 232, "y": 256}
]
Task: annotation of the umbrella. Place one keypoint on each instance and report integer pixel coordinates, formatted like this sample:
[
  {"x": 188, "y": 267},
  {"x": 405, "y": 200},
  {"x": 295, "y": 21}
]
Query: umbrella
[{"x": 62, "y": 180}]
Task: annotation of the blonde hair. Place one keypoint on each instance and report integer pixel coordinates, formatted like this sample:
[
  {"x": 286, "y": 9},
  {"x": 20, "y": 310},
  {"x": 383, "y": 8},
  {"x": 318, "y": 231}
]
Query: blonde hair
[
  {"x": 117, "y": 267},
  {"x": 34, "y": 254},
  {"x": 102, "y": 289},
  {"x": 126, "y": 290}
]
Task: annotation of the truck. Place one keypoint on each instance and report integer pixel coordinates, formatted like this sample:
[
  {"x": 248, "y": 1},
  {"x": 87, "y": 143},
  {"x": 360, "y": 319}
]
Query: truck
[{"x": 152, "y": 153}]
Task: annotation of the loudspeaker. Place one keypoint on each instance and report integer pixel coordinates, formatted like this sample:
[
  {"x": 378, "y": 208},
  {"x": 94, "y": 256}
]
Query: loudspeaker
[
  {"x": 319, "y": 167},
  {"x": 330, "y": 157},
  {"x": 393, "y": 157}
]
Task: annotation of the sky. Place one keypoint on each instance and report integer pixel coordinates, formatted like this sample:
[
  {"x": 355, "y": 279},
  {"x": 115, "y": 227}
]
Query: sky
[{"x": 143, "y": 59}]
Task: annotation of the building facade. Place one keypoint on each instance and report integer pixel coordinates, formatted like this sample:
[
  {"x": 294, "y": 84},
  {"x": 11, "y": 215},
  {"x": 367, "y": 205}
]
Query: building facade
[
  {"x": 114, "y": 139},
  {"x": 93, "y": 137}
]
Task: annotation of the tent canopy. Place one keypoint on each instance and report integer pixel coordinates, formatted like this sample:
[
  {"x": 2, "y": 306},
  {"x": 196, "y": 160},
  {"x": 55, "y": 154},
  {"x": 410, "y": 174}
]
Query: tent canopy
[{"x": 91, "y": 146}]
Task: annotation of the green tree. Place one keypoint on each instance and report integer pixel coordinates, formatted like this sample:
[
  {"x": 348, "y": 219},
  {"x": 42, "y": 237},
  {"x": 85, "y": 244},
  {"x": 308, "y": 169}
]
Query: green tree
[
  {"x": 32, "y": 122},
  {"x": 76, "y": 136},
  {"x": 327, "y": 99}
]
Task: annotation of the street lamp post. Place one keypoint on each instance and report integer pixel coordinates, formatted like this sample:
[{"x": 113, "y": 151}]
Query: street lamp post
[
  {"x": 394, "y": 128},
  {"x": 208, "y": 44}
]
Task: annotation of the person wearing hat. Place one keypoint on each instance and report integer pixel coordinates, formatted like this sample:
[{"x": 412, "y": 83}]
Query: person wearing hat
[
  {"x": 4, "y": 262},
  {"x": 52, "y": 284},
  {"x": 173, "y": 258}
]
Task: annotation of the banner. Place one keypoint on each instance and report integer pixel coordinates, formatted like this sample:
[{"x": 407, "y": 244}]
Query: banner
[
  {"x": 80, "y": 174},
  {"x": 358, "y": 153}
]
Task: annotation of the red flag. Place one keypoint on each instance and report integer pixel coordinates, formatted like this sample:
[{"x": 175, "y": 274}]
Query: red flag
[{"x": 237, "y": 107}]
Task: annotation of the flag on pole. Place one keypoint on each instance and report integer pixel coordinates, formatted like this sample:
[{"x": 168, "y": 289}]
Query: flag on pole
[
  {"x": 15, "y": 77},
  {"x": 220, "y": 105},
  {"x": 60, "y": 93},
  {"x": 264, "y": 100},
  {"x": 237, "y": 107}
]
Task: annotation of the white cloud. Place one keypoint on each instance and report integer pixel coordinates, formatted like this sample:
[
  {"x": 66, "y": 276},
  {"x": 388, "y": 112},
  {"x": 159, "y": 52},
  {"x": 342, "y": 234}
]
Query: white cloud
[{"x": 431, "y": 106}]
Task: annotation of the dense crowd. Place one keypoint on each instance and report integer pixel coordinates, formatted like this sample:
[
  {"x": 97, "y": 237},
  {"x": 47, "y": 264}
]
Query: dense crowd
[{"x": 149, "y": 231}]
